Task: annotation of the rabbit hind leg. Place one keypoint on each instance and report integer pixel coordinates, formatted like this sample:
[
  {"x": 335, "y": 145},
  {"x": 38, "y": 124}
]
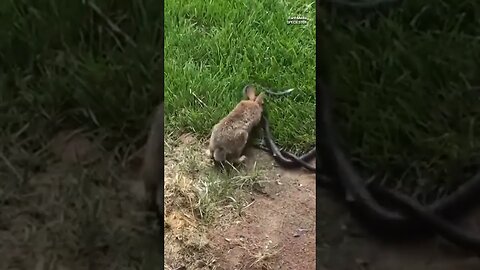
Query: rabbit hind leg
[{"x": 242, "y": 137}]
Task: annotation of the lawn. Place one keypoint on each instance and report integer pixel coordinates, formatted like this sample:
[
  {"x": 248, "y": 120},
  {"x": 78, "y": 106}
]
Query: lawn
[
  {"x": 62, "y": 64},
  {"x": 407, "y": 91},
  {"x": 213, "y": 49}
]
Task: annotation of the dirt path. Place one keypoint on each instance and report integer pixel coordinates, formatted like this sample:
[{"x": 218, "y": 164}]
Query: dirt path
[{"x": 277, "y": 230}]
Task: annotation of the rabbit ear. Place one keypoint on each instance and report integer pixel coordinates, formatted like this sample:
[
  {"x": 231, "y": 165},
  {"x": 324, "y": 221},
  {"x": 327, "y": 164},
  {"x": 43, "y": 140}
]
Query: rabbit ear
[
  {"x": 249, "y": 92},
  {"x": 259, "y": 98}
]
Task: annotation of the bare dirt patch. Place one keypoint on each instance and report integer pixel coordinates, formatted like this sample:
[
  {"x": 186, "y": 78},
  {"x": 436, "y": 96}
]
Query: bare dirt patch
[
  {"x": 274, "y": 228},
  {"x": 260, "y": 217},
  {"x": 277, "y": 230}
]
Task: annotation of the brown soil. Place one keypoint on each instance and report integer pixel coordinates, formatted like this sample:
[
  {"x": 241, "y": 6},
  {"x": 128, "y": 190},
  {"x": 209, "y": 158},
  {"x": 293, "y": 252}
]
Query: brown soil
[{"x": 277, "y": 230}]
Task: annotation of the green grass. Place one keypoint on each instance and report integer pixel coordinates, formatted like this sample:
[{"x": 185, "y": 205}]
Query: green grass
[
  {"x": 63, "y": 65},
  {"x": 405, "y": 103},
  {"x": 213, "y": 49}
]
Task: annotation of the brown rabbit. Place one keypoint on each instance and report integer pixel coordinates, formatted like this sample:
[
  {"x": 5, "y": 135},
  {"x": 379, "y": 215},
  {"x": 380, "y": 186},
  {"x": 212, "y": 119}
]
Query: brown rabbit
[{"x": 230, "y": 135}]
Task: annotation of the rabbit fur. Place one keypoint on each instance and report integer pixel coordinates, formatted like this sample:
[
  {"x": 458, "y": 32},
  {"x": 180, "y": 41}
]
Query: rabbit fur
[{"x": 230, "y": 135}]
